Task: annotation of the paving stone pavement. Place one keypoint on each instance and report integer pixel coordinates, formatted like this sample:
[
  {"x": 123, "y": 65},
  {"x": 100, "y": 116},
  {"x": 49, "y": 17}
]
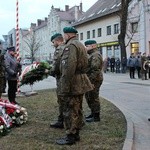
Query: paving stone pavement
[{"x": 131, "y": 96}]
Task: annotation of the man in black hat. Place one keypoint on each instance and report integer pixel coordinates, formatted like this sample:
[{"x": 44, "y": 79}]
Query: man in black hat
[{"x": 11, "y": 66}]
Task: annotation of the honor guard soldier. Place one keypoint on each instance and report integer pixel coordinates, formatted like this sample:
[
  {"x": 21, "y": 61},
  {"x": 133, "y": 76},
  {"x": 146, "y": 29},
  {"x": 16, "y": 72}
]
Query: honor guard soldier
[
  {"x": 58, "y": 43},
  {"x": 74, "y": 83},
  {"x": 94, "y": 72}
]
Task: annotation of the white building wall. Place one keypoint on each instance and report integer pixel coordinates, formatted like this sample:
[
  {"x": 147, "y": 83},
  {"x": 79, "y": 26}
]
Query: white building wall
[
  {"x": 101, "y": 23},
  {"x": 139, "y": 11},
  {"x": 44, "y": 42}
]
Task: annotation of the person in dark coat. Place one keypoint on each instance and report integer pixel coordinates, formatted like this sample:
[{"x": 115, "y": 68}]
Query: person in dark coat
[
  {"x": 124, "y": 65},
  {"x": 112, "y": 64},
  {"x": 12, "y": 71}
]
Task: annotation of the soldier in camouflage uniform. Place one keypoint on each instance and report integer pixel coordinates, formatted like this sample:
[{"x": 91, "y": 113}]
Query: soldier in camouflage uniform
[
  {"x": 2, "y": 72},
  {"x": 94, "y": 72},
  {"x": 58, "y": 43},
  {"x": 73, "y": 84}
]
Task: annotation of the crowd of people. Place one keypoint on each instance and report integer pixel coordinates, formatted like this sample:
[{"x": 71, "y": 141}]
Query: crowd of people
[{"x": 139, "y": 63}]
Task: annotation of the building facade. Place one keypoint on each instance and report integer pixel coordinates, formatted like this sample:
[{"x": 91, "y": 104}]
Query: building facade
[{"x": 101, "y": 22}]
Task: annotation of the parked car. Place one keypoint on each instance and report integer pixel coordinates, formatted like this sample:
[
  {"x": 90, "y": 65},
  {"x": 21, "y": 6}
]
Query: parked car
[{"x": 27, "y": 62}]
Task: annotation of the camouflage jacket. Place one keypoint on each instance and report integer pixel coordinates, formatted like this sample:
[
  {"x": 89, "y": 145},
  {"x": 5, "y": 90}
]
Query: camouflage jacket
[
  {"x": 73, "y": 65},
  {"x": 95, "y": 65},
  {"x": 55, "y": 70}
]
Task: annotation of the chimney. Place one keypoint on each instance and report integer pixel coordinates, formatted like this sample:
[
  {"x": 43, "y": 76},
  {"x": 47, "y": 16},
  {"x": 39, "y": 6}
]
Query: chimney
[
  {"x": 81, "y": 7},
  {"x": 45, "y": 19},
  {"x": 66, "y": 7},
  {"x": 33, "y": 25},
  {"x": 39, "y": 22},
  {"x": 76, "y": 12}
]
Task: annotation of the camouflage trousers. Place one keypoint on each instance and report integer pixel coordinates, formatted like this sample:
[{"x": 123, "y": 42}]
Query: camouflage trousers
[
  {"x": 72, "y": 112},
  {"x": 60, "y": 107},
  {"x": 92, "y": 98},
  {"x": 1, "y": 85}
]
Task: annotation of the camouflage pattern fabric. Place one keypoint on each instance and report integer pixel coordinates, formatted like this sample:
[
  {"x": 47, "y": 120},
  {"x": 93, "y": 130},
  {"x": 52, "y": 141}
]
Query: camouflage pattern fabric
[
  {"x": 73, "y": 83},
  {"x": 55, "y": 71},
  {"x": 94, "y": 72}
]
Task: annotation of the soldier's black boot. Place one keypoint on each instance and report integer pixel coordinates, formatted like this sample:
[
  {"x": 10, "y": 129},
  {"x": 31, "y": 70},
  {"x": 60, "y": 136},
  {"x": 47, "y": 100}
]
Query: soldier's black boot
[
  {"x": 57, "y": 124},
  {"x": 77, "y": 136},
  {"x": 95, "y": 118},
  {"x": 89, "y": 116},
  {"x": 67, "y": 140}
]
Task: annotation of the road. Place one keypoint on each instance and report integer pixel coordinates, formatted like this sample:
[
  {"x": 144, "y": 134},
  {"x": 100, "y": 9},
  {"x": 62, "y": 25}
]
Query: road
[{"x": 132, "y": 96}]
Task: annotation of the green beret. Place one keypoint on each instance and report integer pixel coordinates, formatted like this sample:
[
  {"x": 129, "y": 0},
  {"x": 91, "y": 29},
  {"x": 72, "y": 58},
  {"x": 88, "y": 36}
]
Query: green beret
[
  {"x": 55, "y": 36},
  {"x": 89, "y": 42},
  {"x": 11, "y": 48},
  {"x": 70, "y": 30}
]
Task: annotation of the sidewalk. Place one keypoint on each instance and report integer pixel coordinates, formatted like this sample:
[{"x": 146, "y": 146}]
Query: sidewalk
[{"x": 131, "y": 96}]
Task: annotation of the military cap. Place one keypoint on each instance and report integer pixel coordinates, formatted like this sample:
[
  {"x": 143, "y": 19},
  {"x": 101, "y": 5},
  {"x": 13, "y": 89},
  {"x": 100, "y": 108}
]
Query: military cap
[
  {"x": 11, "y": 48},
  {"x": 89, "y": 42},
  {"x": 55, "y": 36},
  {"x": 70, "y": 30}
]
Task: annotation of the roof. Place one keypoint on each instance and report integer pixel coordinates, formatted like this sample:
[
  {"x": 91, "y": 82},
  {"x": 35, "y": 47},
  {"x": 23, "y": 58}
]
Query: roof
[
  {"x": 99, "y": 9},
  {"x": 68, "y": 15}
]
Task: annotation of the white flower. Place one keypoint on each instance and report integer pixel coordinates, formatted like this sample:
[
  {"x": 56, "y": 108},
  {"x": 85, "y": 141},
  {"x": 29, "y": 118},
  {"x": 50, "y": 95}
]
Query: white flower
[
  {"x": 21, "y": 117},
  {"x": 13, "y": 117},
  {"x": 17, "y": 111},
  {"x": 1, "y": 127}
]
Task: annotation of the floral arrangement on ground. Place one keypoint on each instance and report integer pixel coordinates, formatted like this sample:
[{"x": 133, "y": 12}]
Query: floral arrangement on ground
[{"x": 11, "y": 115}]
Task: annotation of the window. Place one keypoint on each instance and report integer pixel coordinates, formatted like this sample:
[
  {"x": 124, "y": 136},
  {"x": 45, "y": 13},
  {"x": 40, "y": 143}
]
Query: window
[
  {"x": 99, "y": 31},
  {"x": 109, "y": 51},
  {"x": 88, "y": 34},
  {"x": 93, "y": 32},
  {"x": 81, "y": 36},
  {"x": 134, "y": 27},
  {"x": 108, "y": 30},
  {"x": 134, "y": 47},
  {"x": 77, "y": 36},
  {"x": 117, "y": 51},
  {"x": 116, "y": 28}
]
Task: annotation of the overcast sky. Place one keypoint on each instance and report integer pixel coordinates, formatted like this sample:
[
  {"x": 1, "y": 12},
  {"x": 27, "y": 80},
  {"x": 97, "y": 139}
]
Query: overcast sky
[{"x": 31, "y": 10}]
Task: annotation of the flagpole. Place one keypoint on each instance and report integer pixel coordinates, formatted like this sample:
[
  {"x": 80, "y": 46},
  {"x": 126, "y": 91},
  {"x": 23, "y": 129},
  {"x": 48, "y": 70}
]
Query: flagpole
[{"x": 17, "y": 40}]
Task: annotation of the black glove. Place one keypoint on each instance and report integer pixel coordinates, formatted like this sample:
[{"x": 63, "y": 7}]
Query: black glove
[{"x": 14, "y": 75}]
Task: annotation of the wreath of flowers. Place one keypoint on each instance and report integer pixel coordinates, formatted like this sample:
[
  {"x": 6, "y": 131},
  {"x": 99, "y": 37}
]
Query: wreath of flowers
[
  {"x": 40, "y": 72},
  {"x": 11, "y": 115}
]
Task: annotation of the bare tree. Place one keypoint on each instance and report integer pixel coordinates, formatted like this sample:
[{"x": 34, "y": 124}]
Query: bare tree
[
  {"x": 123, "y": 26},
  {"x": 33, "y": 43}
]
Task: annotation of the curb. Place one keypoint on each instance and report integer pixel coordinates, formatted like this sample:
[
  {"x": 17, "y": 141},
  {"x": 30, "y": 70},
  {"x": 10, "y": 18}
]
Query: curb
[{"x": 128, "y": 143}]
